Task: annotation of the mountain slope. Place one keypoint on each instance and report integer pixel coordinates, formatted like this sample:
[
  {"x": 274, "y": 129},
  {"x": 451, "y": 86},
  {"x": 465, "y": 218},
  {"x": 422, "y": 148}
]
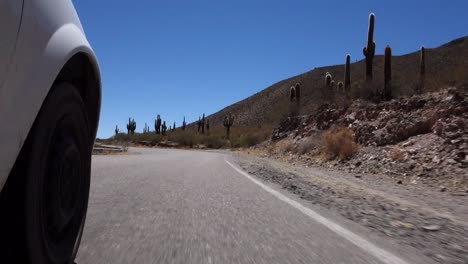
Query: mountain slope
[{"x": 446, "y": 65}]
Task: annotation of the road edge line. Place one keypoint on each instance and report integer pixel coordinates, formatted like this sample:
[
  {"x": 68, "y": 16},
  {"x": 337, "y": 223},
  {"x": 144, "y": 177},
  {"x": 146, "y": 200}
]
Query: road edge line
[{"x": 367, "y": 246}]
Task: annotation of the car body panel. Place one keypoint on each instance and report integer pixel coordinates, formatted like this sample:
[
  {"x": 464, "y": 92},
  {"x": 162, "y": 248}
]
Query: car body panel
[
  {"x": 50, "y": 35},
  {"x": 10, "y": 19}
]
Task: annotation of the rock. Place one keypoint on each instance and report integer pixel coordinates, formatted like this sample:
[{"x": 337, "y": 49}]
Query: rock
[
  {"x": 436, "y": 160},
  {"x": 399, "y": 182},
  {"x": 451, "y": 161},
  {"x": 431, "y": 228},
  {"x": 406, "y": 144},
  {"x": 358, "y": 163},
  {"x": 399, "y": 224},
  {"x": 443, "y": 189},
  {"x": 357, "y": 176}
]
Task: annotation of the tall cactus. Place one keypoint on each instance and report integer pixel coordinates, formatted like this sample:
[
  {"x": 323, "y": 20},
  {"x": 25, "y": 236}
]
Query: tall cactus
[
  {"x": 369, "y": 50},
  {"x": 133, "y": 126},
  {"x": 388, "y": 73},
  {"x": 422, "y": 68},
  {"x": 227, "y": 123},
  {"x": 163, "y": 128},
  {"x": 203, "y": 124},
  {"x": 129, "y": 126},
  {"x": 298, "y": 93},
  {"x": 199, "y": 122},
  {"x": 347, "y": 76},
  {"x": 157, "y": 124},
  {"x": 328, "y": 79},
  {"x": 340, "y": 86},
  {"x": 208, "y": 126},
  {"x": 292, "y": 93},
  {"x": 184, "y": 124},
  {"x": 116, "y": 130},
  {"x": 173, "y": 128}
]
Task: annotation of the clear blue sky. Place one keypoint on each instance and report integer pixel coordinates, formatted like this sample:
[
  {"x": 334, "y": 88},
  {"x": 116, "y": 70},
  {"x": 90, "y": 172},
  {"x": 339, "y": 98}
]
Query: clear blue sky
[{"x": 190, "y": 57}]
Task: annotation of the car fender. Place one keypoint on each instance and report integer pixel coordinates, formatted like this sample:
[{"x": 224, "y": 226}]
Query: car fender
[{"x": 43, "y": 48}]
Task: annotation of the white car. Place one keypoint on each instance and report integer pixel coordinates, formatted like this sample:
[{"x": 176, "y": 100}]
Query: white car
[{"x": 50, "y": 100}]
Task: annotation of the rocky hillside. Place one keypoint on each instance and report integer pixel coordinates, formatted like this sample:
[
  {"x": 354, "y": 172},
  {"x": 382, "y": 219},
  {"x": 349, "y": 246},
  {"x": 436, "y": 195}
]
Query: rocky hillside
[
  {"x": 417, "y": 139},
  {"x": 445, "y": 66}
]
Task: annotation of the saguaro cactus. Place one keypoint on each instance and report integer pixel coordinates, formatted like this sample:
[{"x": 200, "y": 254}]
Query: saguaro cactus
[
  {"x": 298, "y": 93},
  {"x": 369, "y": 50},
  {"x": 199, "y": 124},
  {"x": 208, "y": 126},
  {"x": 422, "y": 68},
  {"x": 340, "y": 86},
  {"x": 116, "y": 130},
  {"x": 163, "y": 128},
  {"x": 332, "y": 84},
  {"x": 292, "y": 93},
  {"x": 347, "y": 76},
  {"x": 388, "y": 73},
  {"x": 328, "y": 79},
  {"x": 203, "y": 124},
  {"x": 131, "y": 126},
  {"x": 157, "y": 124},
  {"x": 295, "y": 95},
  {"x": 173, "y": 128},
  {"x": 227, "y": 123},
  {"x": 184, "y": 124}
]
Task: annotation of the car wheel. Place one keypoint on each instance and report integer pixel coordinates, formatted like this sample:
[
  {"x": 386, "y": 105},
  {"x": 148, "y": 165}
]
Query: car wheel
[{"x": 52, "y": 181}]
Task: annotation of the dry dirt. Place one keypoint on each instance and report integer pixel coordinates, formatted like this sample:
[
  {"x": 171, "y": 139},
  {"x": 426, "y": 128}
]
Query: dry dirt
[{"x": 436, "y": 223}]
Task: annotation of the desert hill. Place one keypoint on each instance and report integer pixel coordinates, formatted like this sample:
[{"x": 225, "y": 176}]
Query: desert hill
[{"x": 446, "y": 66}]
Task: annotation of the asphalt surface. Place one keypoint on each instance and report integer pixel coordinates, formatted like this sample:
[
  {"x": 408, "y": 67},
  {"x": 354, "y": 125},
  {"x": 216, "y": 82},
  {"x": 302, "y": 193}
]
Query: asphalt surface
[{"x": 174, "y": 206}]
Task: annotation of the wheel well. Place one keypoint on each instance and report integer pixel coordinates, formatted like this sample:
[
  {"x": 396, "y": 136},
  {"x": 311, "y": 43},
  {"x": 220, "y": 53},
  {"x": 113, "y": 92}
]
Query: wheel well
[{"x": 80, "y": 72}]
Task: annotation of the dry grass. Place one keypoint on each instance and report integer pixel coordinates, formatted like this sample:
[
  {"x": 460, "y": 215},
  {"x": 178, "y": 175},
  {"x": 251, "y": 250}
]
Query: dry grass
[
  {"x": 339, "y": 143},
  {"x": 307, "y": 145},
  {"x": 397, "y": 155},
  {"x": 241, "y": 137}
]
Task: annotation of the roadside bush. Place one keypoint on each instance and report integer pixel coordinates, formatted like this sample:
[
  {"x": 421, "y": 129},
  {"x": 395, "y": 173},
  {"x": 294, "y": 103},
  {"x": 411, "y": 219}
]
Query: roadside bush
[
  {"x": 306, "y": 146},
  {"x": 185, "y": 138},
  {"x": 339, "y": 143},
  {"x": 214, "y": 142}
]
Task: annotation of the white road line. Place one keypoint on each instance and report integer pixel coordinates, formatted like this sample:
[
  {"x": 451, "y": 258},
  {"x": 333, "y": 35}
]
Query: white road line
[{"x": 381, "y": 254}]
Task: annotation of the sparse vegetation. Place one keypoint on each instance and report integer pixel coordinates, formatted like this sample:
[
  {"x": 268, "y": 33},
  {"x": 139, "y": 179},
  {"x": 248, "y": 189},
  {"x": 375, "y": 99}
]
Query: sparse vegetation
[
  {"x": 339, "y": 143},
  {"x": 306, "y": 146}
]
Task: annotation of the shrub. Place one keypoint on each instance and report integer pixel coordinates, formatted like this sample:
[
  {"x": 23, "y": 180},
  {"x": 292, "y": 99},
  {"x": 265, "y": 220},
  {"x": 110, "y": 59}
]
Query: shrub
[
  {"x": 397, "y": 155},
  {"x": 339, "y": 143},
  {"x": 306, "y": 146},
  {"x": 185, "y": 138},
  {"x": 214, "y": 142}
]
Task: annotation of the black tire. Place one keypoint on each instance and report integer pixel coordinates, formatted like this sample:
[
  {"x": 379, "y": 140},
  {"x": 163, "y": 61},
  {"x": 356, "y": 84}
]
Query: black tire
[{"x": 46, "y": 196}]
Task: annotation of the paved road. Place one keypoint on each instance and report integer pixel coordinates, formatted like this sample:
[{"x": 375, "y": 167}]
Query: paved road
[{"x": 172, "y": 206}]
